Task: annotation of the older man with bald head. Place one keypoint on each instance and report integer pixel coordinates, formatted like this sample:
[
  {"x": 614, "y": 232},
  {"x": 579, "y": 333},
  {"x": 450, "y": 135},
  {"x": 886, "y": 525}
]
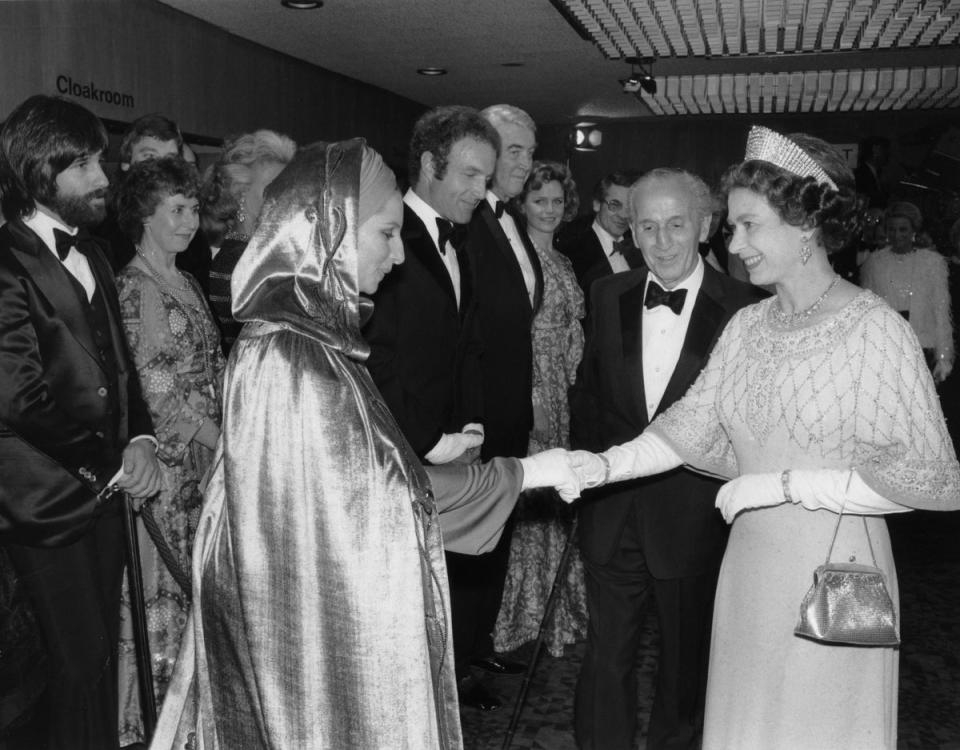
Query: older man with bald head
[{"x": 651, "y": 332}]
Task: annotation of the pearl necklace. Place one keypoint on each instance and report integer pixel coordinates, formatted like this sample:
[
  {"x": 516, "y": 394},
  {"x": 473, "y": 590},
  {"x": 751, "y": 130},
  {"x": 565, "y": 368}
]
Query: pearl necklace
[
  {"x": 793, "y": 319},
  {"x": 158, "y": 277}
]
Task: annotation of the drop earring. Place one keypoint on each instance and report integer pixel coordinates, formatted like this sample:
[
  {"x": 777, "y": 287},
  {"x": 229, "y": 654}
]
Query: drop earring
[{"x": 805, "y": 251}]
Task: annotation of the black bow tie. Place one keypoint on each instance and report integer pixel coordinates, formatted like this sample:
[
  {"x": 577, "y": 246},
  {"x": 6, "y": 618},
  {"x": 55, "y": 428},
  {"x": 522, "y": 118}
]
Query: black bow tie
[
  {"x": 618, "y": 247},
  {"x": 455, "y": 234},
  {"x": 66, "y": 241},
  {"x": 659, "y": 296},
  {"x": 498, "y": 207}
]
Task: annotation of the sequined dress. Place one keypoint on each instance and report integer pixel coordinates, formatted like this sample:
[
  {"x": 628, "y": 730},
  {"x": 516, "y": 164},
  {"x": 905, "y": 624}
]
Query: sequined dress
[
  {"x": 542, "y": 523},
  {"x": 176, "y": 349},
  {"x": 849, "y": 391}
]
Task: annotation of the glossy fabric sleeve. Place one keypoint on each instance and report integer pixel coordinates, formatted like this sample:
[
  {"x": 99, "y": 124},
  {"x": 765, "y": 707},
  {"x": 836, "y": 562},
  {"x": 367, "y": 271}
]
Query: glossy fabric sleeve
[
  {"x": 474, "y": 502},
  {"x": 28, "y": 405}
]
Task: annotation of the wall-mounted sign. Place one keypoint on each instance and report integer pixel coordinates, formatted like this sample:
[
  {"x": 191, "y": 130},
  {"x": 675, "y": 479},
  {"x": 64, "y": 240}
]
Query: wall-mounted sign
[{"x": 66, "y": 85}]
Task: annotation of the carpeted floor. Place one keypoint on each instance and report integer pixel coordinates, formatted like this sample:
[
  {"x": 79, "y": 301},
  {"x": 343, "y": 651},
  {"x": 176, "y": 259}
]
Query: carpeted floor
[{"x": 927, "y": 549}]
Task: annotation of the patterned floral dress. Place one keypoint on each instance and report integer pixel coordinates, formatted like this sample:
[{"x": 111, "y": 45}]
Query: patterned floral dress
[
  {"x": 175, "y": 346},
  {"x": 542, "y": 520},
  {"x": 850, "y": 391}
]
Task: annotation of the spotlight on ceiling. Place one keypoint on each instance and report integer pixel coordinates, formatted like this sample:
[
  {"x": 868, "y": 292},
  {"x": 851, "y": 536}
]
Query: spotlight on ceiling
[
  {"x": 587, "y": 136},
  {"x": 432, "y": 71},
  {"x": 302, "y": 4},
  {"x": 641, "y": 77}
]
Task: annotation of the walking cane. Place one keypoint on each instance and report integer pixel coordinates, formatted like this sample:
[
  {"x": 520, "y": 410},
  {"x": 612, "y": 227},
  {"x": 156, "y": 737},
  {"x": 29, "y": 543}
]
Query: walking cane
[
  {"x": 548, "y": 610},
  {"x": 138, "y": 613}
]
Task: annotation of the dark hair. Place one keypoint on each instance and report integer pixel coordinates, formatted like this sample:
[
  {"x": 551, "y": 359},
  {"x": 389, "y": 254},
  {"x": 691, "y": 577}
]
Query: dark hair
[
  {"x": 802, "y": 201},
  {"x": 551, "y": 171},
  {"x": 153, "y": 125},
  {"x": 437, "y": 130},
  {"x": 146, "y": 184},
  {"x": 621, "y": 179},
  {"x": 42, "y": 137},
  {"x": 218, "y": 205}
]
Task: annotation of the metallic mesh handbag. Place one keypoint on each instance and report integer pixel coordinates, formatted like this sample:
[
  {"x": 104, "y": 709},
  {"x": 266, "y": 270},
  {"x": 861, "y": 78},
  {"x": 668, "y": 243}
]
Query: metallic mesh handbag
[{"x": 849, "y": 603}]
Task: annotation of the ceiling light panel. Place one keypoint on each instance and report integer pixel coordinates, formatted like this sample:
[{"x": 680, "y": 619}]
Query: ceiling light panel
[
  {"x": 698, "y": 28},
  {"x": 932, "y": 87}
]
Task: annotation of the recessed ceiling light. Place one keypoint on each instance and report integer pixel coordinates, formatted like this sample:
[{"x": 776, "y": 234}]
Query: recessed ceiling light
[
  {"x": 432, "y": 71},
  {"x": 301, "y": 4}
]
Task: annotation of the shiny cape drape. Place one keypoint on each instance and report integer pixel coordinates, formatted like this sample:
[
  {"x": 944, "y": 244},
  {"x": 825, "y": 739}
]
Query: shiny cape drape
[{"x": 320, "y": 615}]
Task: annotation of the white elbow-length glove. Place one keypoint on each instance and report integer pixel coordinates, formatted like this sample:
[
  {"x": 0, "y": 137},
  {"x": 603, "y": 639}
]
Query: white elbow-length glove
[
  {"x": 832, "y": 489},
  {"x": 643, "y": 456}
]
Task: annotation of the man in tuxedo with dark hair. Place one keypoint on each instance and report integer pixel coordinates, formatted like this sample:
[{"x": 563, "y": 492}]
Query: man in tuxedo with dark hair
[
  {"x": 423, "y": 336},
  {"x": 603, "y": 246},
  {"x": 73, "y": 425},
  {"x": 650, "y": 334},
  {"x": 509, "y": 288}
]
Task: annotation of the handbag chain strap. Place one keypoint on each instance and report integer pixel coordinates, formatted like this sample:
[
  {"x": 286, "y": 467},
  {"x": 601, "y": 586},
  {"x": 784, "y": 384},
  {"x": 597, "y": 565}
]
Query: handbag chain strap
[{"x": 836, "y": 528}]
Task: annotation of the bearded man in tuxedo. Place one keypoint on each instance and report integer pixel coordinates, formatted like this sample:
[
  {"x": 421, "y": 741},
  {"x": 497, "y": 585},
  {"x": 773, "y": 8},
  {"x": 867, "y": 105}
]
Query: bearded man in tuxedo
[{"x": 73, "y": 425}]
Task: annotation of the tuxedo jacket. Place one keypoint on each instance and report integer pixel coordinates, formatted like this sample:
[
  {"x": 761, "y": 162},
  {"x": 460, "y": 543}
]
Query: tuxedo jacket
[
  {"x": 505, "y": 316},
  {"x": 681, "y": 532},
  {"x": 424, "y": 351},
  {"x": 63, "y": 422},
  {"x": 582, "y": 246}
]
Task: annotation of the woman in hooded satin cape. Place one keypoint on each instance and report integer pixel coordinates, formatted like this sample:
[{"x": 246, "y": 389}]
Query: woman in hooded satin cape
[{"x": 321, "y": 615}]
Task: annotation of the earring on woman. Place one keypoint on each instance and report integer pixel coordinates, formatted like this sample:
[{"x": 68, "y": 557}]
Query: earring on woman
[
  {"x": 805, "y": 251},
  {"x": 241, "y": 212}
]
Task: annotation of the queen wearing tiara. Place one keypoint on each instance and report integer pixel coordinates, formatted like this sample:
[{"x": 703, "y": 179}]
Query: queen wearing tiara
[{"x": 814, "y": 400}]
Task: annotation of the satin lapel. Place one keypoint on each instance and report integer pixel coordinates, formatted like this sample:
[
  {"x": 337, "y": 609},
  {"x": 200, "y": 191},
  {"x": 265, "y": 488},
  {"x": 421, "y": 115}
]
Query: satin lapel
[
  {"x": 594, "y": 252},
  {"x": 52, "y": 279},
  {"x": 534, "y": 259},
  {"x": 417, "y": 241},
  {"x": 631, "y": 333},
  {"x": 504, "y": 247},
  {"x": 705, "y": 320}
]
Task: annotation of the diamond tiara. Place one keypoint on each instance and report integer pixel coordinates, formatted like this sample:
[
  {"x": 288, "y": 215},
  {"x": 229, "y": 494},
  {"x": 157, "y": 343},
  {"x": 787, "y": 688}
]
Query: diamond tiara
[{"x": 766, "y": 145}]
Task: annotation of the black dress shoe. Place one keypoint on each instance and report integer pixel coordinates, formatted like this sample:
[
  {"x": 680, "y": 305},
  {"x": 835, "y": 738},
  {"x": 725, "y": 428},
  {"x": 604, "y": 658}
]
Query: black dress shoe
[
  {"x": 475, "y": 695},
  {"x": 496, "y": 665}
]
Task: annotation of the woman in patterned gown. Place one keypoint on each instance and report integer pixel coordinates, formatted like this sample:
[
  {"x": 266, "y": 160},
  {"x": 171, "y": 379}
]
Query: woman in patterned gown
[
  {"x": 814, "y": 400},
  {"x": 176, "y": 349},
  {"x": 549, "y": 197}
]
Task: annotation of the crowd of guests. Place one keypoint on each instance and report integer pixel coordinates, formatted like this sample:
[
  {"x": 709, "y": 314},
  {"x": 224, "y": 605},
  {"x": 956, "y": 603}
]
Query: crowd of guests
[{"x": 345, "y": 412}]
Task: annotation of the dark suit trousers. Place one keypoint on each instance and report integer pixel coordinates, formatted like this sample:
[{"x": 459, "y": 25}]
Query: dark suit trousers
[
  {"x": 75, "y": 592},
  {"x": 605, "y": 711}
]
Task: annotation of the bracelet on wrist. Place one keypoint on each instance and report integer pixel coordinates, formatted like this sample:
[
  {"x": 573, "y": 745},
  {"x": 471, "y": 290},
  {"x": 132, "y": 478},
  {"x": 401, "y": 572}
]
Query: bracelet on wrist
[
  {"x": 606, "y": 468},
  {"x": 785, "y": 481}
]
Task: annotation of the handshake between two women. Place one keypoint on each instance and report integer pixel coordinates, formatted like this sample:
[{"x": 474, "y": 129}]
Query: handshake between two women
[{"x": 834, "y": 489}]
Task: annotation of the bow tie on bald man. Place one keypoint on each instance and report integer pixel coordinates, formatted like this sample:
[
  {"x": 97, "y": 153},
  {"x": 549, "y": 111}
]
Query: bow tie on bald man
[
  {"x": 448, "y": 231},
  {"x": 657, "y": 295},
  {"x": 498, "y": 208},
  {"x": 64, "y": 241}
]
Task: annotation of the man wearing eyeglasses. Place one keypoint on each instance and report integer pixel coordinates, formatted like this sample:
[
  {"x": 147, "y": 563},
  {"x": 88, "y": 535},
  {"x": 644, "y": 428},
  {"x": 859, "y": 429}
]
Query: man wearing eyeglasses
[{"x": 604, "y": 247}]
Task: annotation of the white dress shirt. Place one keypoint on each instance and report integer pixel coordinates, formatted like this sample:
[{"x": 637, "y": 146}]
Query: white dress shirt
[
  {"x": 663, "y": 335},
  {"x": 519, "y": 249},
  {"x": 76, "y": 262},
  {"x": 617, "y": 260},
  {"x": 429, "y": 217}
]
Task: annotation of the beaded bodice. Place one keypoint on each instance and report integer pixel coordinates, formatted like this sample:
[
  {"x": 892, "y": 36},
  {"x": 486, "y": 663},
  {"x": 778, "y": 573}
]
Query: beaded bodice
[{"x": 850, "y": 390}]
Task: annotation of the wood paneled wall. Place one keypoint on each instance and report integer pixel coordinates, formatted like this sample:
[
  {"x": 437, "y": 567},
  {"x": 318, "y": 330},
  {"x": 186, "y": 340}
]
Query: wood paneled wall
[{"x": 212, "y": 83}]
